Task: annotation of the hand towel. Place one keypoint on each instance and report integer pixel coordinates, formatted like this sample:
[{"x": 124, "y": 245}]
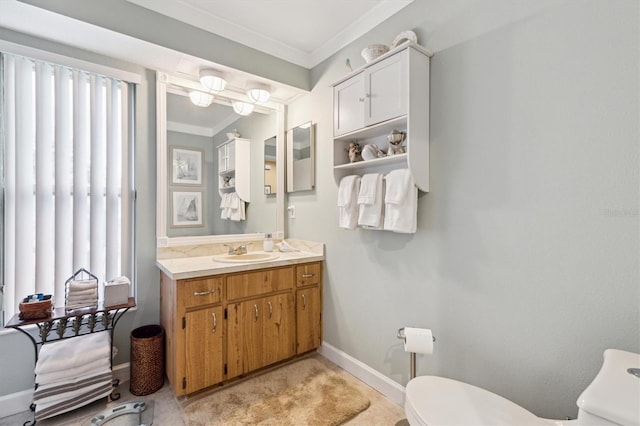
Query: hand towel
[
  {"x": 68, "y": 353},
  {"x": 63, "y": 395},
  {"x": 370, "y": 201},
  {"x": 401, "y": 202},
  {"x": 89, "y": 292},
  {"x": 347, "y": 202},
  {"x": 83, "y": 284}
]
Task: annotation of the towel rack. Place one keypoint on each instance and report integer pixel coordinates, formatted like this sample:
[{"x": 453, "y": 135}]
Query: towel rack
[{"x": 63, "y": 324}]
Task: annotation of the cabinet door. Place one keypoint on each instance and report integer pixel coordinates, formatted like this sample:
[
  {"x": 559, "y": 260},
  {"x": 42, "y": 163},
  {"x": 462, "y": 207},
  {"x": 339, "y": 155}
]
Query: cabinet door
[
  {"x": 386, "y": 89},
  {"x": 244, "y": 343},
  {"x": 204, "y": 363},
  {"x": 309, "y": 319},
  {"x": 278, "y": 343},
  {"x": 231, "y": 155},
  {"x": 348, "y": 105},
  {"x": 222, "y": 159}
]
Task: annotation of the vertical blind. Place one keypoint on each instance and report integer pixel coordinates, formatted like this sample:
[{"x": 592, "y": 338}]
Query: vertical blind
[{"x": 65, "y": 140}]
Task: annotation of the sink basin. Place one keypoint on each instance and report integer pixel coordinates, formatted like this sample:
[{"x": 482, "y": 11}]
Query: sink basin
[{"x": 251, "y": 257}]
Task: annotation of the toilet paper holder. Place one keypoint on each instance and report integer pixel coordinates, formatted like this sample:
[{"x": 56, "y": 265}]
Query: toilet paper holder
[{"x": 412, "y": 355}]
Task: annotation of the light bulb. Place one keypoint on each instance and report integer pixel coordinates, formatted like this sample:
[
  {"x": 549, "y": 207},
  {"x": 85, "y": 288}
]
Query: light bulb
[{"x": 200, "y": 99}]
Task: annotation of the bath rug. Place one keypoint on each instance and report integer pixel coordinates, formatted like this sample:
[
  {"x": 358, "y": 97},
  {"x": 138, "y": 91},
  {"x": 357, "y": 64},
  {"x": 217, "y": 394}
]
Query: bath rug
[{"x": 303, "y": 393}]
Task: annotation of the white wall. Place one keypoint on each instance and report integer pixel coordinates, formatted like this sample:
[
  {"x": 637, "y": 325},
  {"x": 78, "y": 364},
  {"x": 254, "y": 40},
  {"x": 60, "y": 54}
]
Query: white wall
[{"x": 525, "y": 263}]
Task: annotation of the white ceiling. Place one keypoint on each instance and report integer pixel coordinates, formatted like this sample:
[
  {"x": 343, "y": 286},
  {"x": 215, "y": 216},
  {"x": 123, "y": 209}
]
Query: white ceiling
[{"x": 304, "y": 32}]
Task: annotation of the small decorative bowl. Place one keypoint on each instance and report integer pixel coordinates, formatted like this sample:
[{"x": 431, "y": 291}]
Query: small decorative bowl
[{"x": 373, "y": 51}]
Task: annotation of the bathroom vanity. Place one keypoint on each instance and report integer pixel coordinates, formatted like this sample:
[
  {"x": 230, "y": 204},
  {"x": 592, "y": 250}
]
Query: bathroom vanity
[{"x": 225, "y": 320}]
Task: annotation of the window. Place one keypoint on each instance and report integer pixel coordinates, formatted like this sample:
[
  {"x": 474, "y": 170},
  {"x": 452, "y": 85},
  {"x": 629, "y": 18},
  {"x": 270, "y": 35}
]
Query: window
[{"x": 66, "y": 191}]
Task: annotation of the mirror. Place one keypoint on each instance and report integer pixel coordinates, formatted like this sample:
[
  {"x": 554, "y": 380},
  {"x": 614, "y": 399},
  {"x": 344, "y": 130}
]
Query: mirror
[
  {"x": 301, "y": 158},
  {"x": 188, "y": 137},
  {"x": 270, "y": 169}
]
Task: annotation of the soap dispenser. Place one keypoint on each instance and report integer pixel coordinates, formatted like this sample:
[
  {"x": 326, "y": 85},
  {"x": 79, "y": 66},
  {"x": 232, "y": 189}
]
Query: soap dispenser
[{"x": 267, "y": 244}]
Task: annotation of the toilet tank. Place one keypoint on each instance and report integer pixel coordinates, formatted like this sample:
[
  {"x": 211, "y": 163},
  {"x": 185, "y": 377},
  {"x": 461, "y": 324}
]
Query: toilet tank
[{"x": 614, "y": 394}]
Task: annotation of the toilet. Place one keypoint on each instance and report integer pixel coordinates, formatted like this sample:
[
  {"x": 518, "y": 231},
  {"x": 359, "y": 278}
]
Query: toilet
[{"x": 612, "y": 398}]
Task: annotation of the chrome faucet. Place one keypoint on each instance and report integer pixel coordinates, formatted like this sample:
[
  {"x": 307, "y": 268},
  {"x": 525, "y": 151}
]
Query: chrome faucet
[{"x": 241, "y": 249}]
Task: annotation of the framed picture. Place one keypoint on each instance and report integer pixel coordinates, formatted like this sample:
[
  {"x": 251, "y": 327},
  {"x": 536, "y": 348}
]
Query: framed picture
[
  {"x": 267, "y": 189},
  {"x": 187, "y": 166},
  {"x": 186, "y": 208}
]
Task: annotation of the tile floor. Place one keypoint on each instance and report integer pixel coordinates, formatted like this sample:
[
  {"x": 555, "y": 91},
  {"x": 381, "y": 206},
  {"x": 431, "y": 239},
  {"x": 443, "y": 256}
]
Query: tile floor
[{"x": 382, "y": 411}]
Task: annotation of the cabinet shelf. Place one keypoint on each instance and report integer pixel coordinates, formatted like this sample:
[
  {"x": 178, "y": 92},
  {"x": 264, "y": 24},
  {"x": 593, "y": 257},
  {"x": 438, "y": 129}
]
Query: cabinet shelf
[
  {"x": 375, "y": 130},
  {"x": 394, "y": 160}
]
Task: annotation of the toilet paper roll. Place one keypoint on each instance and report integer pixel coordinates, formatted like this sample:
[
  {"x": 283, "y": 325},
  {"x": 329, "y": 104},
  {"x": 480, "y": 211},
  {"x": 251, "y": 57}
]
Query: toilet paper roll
[{"x": 418, "y": 340}]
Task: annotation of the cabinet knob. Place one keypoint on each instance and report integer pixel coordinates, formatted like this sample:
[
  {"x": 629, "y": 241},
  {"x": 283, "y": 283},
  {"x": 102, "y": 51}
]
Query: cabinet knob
[{"x": 215, "y": 323}]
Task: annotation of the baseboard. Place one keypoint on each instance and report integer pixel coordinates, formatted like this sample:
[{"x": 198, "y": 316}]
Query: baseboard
[
  {"x": 15, "y": 403},
  {"x": 122, "y": 372},
  {"x": 19, "y": 402},
  {"x": 373, "y": 378}
]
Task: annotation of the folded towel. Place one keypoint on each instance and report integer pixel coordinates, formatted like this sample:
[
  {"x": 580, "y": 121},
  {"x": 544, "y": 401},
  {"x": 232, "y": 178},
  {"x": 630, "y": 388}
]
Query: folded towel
[
  {"x": 68, "y": 353},
  {"x": 368, "y": 188},
  {"x": 88, "y": 292},
  {"x": 347, "y": 189},
  {"x": 82, "y": 284},
  {"x": 401, "y": 202},
  {"x": 44, "y": 411},
  {"x": 371, "y": 205},
  {"x": 62, "y": 395},
  {"x": 81, "y": 303},
  {"x": 75, "y": 372},
  {"x": 45, "y": 391},
  {"x": 347, "y": 202}
]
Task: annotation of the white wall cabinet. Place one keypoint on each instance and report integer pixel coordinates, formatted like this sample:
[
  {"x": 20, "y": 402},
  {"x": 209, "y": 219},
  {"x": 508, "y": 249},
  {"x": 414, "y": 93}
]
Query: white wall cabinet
[
  {"x": 234, "y": 168},
  {"x": 391, "y": 92}
]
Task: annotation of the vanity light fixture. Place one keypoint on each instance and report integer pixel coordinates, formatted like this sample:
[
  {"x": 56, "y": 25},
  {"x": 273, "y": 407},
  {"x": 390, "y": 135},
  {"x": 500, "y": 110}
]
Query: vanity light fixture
[
  {"x": 243, "y": 108},
  {"x": 212, "y": 80},
  {"x": 200, "y": 99},
  {"x": 258, "y": 93}
]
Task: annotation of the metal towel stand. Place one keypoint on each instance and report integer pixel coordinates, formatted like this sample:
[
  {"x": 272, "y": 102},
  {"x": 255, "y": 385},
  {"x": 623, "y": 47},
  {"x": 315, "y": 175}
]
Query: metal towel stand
[{"x": 412, "y": 355}]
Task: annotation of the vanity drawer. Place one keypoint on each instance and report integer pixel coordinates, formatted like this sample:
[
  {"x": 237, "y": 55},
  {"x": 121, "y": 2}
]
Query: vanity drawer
[
  {"x": 199, "y": 292},
  {"x": 308, "y": 274},
  {"x": 261, "y": 282}
]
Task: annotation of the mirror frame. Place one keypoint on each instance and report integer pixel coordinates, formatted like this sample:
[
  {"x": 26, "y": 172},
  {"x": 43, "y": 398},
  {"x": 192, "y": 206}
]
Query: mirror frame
[{"x": 163, "y": 81}]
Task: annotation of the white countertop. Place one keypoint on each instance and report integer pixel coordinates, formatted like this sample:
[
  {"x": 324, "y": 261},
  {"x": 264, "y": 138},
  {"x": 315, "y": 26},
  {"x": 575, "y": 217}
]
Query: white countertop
[{"x": 201, "y": 266}]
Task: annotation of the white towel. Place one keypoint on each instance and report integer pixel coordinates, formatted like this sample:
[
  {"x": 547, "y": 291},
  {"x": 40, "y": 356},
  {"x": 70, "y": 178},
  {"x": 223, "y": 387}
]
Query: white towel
[
  {"x": 237, "y": 208},
  {"x": 370, "y": 201},
  {"x": 80, "y": 370},
  {"x": 401, "y": 202},
  {"x": 44, "y": 411},
  {"x": 347, "y": 202},
  {"x": 68, "y": 353},
  {"x": 82, "y": 285},
  {"x": 82, "y": 293}
]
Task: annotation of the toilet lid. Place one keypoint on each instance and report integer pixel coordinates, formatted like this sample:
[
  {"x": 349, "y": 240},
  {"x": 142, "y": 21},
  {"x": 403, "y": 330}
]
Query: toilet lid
[{"x": 436, "y": 401}]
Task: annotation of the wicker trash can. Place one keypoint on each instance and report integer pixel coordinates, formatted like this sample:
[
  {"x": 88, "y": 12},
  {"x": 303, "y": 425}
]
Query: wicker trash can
[{"x": 147, "y": 360}]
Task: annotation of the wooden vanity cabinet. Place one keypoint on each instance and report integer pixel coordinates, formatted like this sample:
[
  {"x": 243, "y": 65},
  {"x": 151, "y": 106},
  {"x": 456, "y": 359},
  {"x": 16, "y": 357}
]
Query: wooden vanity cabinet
[
  {"x": 224, "y": 326},
  {"x": 308, "y": 307}
]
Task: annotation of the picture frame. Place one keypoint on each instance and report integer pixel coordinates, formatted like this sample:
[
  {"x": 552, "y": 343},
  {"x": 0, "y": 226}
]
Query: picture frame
[
  {"x": 267, "y": 189},
  {"x": 187, "y": 166},
  {"x": 186, "y": 209}
]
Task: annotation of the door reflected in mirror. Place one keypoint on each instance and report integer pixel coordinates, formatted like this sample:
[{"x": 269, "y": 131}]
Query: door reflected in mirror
[
  {"x": 301, "y": 158},
  {"x": 270, "y": 174}
]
